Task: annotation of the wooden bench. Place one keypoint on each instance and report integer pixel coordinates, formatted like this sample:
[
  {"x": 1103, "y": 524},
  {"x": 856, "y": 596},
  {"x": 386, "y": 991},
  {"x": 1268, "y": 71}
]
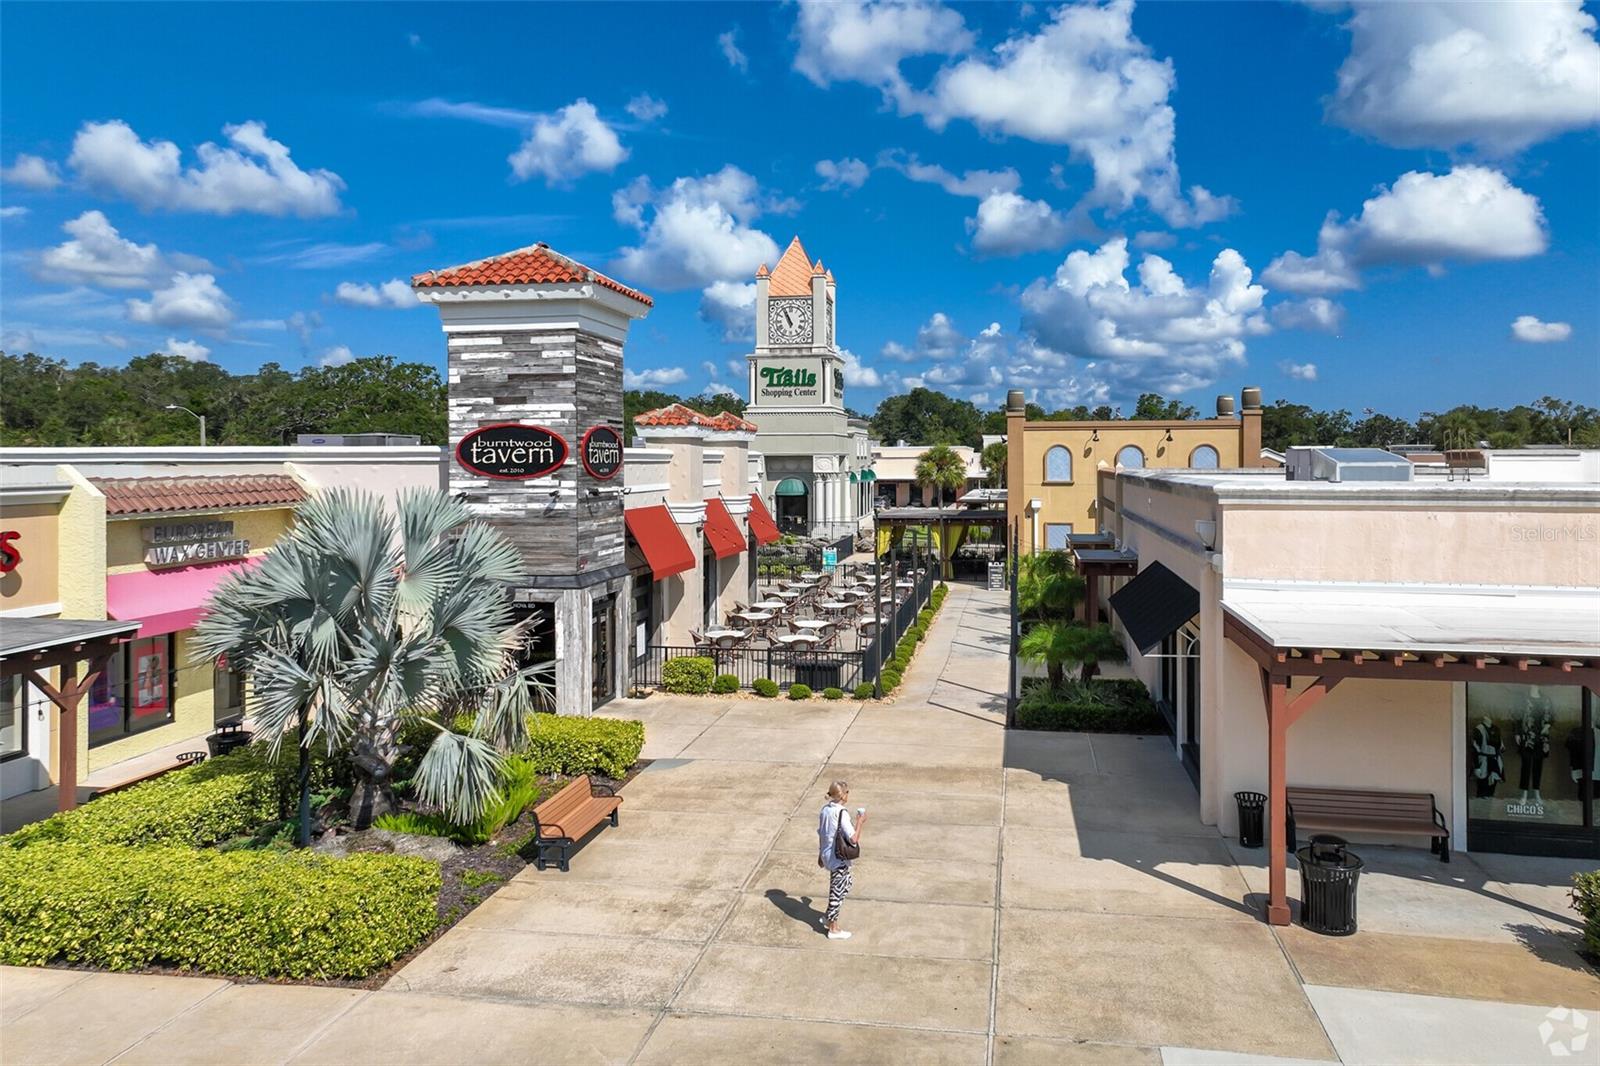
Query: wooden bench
[
  {"x": 568, "y": 816},
  {"x": 1362, "y": 810}
]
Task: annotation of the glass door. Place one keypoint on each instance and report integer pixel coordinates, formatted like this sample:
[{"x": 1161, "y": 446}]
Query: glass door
[
  {"x": 600, "y": 645},
  {"x": 1531, "y": 768}
]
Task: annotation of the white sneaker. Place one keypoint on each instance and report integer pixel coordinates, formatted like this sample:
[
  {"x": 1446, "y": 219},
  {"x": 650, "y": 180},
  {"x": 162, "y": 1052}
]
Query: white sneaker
[{"x": 838, "y": 934}]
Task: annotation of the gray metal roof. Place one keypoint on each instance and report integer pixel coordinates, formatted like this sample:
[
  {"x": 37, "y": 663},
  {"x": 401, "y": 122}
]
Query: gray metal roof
[
  {"x": 1106, "y": 555},
  {"x": 1454, "y": 619},
  {"x": 21, "y": 635}
]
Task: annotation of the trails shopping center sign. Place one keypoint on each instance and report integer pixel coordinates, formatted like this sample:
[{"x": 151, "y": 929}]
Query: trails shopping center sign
[
  {"x": 789, "y": 381},
  {"x": 512, "y": 451}
]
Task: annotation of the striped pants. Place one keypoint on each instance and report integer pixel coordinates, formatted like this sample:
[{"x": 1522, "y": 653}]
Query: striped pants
[{"x": 839, "y": 885}]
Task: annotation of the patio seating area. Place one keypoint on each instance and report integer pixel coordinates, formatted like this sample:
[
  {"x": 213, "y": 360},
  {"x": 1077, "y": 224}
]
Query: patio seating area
[{"x": 816, "y": 610}]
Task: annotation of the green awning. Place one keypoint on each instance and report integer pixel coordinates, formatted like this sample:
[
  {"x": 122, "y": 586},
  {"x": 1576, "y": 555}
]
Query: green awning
[
  {"x": 869, "y": 475},
  {"x": 790, "y": 486},
  {"x": 853, "y": 478}
]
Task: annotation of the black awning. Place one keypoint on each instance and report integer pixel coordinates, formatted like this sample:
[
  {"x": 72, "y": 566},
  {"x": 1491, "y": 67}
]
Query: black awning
[{"x": 1153, "y": 605}]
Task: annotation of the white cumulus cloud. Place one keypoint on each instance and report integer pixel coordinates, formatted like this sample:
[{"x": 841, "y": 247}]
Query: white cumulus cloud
[
  {"x": 856, "y": 41},
  {"x": 842, "y": 173},
  {"x": 253, "y": 173},
  {"x": 97, "y": 254},
  {"x": 393, "y": 293},
  {"x": 1533, "y": 331},
  {"x": 731, "y": 305},
  {"x": 1162, "y": 333},
  {"x": 1443, "y": 74},
  {"x": 566, "y": 144},
  {"x": 654, "y": 378},
  {"x": 191, "y": 350},
  {"x": 729, "y": 43},
  {"x": 1313, "y": 313},
  {"x": 694, "y": 232},
  {"x": 32, "y": 172},
  {"x": 13, "y": 211},
  {"x": 338, "y": 355},
  {"x": 646, "y": 108},
  {"x": 189, "y": 300},
  {"x": 1471, "y": 214},
  {"x": 1010, "y": 224},
  {"x": 1299, "y": 371}
]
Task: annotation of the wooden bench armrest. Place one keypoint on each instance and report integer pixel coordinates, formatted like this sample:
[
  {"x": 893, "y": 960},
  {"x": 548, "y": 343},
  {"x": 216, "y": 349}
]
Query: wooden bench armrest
[{"x": 602, "y": 789}]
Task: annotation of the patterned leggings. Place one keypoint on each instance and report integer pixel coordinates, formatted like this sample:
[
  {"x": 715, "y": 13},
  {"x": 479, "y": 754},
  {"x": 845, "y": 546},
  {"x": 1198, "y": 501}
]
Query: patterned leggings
[{"x": 839, "y": 884}]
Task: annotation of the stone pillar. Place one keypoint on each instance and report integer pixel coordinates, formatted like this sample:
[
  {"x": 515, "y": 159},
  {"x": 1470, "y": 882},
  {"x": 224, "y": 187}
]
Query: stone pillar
[
  {"x": 1250, "y": 427},
  {"x": 574, "y": 661}
]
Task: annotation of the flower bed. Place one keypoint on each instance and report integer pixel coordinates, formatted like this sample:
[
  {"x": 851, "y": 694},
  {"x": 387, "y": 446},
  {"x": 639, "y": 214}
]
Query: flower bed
[{"x": 1098, "y": 706}]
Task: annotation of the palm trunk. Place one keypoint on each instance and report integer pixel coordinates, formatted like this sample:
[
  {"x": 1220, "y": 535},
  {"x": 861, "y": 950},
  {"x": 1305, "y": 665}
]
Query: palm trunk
[
  {"x": 1056, "y": 673},
  {"x": 1090, "y": 668},
  {"x": 303, "y": 783},
  {"x": 373, "y": 757}
]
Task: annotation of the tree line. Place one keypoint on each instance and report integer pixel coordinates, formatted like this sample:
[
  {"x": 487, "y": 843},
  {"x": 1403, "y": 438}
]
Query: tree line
[{"x": 46, "y": 402}]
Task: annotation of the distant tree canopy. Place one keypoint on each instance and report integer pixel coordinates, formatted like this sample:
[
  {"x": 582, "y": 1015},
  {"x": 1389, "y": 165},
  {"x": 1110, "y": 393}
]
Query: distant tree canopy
[{"x": 44, "y": 402}]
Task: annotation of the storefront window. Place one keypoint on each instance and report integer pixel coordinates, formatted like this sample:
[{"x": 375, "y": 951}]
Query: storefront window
[
  {"x": 135, "y": 692},
  {"x": 13, "y": 719},
  {"x": 1526, "y": 752}
]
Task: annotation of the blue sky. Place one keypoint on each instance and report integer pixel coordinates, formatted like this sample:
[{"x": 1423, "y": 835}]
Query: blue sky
[{"x": 1386, "y": 206}]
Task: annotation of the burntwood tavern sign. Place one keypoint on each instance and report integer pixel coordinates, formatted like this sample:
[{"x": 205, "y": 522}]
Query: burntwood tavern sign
[
  {"x": 512, "y": 451},
  {"x": 185, "y": 543}
]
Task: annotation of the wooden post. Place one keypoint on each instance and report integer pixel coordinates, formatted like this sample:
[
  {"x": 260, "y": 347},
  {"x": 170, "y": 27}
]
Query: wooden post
[
  {"x": 1092, "y": 599},
  {"x": 67, "y": 780},
  {"x": 1277, "y": 691}
]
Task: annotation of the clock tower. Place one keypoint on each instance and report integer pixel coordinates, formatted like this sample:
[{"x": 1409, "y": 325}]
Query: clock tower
[{"x": 813, "y": 451}]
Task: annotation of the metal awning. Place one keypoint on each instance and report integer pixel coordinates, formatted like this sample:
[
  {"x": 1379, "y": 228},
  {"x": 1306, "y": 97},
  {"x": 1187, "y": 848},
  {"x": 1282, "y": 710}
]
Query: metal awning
[
  {"x": 790, "y": 486},
  {"x": 25, "y": 636},
  {"x": 1106, "y": 556},
  {"x": 1153, "y": 605},
  {"x": 1091, "y": 540},
  {"x": 1501, "y": 622}
]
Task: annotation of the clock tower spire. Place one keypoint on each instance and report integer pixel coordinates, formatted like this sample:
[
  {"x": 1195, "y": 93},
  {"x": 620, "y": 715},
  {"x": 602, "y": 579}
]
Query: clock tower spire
[{"x": 796, "y": 362}]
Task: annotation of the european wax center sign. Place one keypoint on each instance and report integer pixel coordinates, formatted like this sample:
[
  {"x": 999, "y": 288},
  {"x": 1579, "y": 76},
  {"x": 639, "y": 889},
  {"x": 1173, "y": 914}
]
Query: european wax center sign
[{"x": 186, "y": 543}]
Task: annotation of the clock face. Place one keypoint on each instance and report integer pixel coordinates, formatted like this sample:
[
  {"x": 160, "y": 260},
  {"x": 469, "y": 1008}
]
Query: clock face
[{"x": 789, "y": 321}]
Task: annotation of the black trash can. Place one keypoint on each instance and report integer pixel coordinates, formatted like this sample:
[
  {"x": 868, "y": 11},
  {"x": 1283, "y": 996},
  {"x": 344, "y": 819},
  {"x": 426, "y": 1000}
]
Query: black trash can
[
  {"x": 1252, "y": 818},
  {"x": 1329, "y": 871},
  {"x": 227, "y": 740},
  {"x": 818, "y": 674}
]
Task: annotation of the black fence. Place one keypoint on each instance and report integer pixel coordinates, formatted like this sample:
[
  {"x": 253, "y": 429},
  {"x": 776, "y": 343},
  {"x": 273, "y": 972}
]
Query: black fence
[{"x": 820, "y": 669}]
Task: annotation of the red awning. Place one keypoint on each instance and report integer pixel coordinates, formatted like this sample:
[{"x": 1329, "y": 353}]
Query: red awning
[
  {"x": 761, "y": 523},
  {"x": 166, "y": 601},
  {"x": 722, "y": 532},
  {"x": 659, "y": 538}
]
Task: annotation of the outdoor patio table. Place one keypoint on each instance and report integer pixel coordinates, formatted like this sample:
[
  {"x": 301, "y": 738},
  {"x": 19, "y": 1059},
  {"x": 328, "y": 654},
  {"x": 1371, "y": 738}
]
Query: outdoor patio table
[
  {"x": 787, "y": 595},
  {"x": 723, "y": 634},
  {"x": 753, "y": 616},
  {"x": 796, "y": 640},
  {"x": 769, "y": 605}
]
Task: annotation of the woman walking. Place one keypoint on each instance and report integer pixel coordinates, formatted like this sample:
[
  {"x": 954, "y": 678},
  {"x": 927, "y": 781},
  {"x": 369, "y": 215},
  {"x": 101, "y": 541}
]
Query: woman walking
[{"x": 838, "y": 843}]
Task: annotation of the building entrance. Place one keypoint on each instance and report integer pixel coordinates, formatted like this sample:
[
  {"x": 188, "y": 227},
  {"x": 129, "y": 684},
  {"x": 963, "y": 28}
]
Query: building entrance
[{"x": 1531, "y": 768}]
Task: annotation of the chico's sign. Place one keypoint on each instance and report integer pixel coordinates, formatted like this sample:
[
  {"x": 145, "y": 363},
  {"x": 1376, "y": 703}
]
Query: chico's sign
[{"x": 512, "y": 451}]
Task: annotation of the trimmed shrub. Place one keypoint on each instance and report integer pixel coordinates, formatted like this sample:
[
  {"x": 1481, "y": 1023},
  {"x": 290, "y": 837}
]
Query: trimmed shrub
[
  {"x": 863, "y": 691},
  {"x": 1586, "y": 901},
  {"x": 198, "y": 806},
  {"x": 255, "y": 913},
  {"x": 517, "y": 793},
  {"x": 1091, "y": 707},
  {"x": 559, "y": 744},
  {"x": 890, "y": 680},
  {"x": 723, "y": 684},
  {"x": 797, "y": 691},
  {"x": 925, "y": 617},
  {"x": 832, "y": 693},
  {"x": 688, "y": 675},
  {"x": 765, "y": 686}
]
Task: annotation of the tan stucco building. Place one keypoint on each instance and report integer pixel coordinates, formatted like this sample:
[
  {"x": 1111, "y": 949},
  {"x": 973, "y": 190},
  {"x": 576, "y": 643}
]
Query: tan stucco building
[{"x": 1052, "y": 467}]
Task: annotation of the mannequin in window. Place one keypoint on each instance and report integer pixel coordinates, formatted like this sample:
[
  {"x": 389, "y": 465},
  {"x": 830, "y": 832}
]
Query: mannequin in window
[
  {"x": 1532, "y": 740},
  {"x": 1488, "y": 757},
  {"x": 1575, "y": 754}
]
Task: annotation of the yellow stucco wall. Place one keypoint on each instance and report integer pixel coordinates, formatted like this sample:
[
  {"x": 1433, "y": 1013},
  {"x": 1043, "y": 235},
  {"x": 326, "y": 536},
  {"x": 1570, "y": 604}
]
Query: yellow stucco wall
[
  {"x": 1073, "y": 501},
  {"x": 34, "y": 582}
]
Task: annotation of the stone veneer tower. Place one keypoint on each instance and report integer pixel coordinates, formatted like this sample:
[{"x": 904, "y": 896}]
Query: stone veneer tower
[{"x": 535, "y": 339}]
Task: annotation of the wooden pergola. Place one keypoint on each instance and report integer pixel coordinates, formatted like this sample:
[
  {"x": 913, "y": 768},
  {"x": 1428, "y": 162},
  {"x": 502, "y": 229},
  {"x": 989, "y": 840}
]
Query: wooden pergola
[
  {"x": 1489, "y": 650},
  {"x": 31, "y": 646},
  {"x": 1096, "y": 563}
]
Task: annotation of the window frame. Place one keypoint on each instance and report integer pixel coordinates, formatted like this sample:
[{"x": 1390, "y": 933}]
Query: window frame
[
  {"x": 1214, "y": 453},
  {"x": 1048, "y": 526},
  {"x": 124, "y": 664},
  {"x": 1048, "y": 452},
  {"x": 14, "y": 692},
  {"x": 1129, "y": 447}
]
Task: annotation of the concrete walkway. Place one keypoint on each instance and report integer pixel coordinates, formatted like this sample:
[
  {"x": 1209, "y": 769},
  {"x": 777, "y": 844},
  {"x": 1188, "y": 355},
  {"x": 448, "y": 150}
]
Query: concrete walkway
[{"x": 1024, "y": 897}]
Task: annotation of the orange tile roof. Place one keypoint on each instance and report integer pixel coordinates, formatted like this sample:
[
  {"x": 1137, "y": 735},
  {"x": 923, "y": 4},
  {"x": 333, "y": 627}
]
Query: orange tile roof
[
  {"x": 167, "y": 495},
  {"x": 538, "y": 264},
  {"x": 678, "y": 414},
  {"x": 792, "y": 275},
  {"x": 730, "y": 422}
]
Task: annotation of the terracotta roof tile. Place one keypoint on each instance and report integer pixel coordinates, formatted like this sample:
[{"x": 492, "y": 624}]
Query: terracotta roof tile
[
  {"x": 728, "y": 421},
  {"x": 168, "y": 495},
  {"x": 675, "y": 414},
  {"x": 538, "y": 264},
  {"x": 792, "y": 275}
]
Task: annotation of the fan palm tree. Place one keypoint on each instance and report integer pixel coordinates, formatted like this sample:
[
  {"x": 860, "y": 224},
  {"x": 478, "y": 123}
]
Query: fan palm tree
[
  {"x": 941, "y": 467},
  {"x": 1048, "y": 586},
  {"x": 994, "y": 463},
  {"x": 361, "y": 621},
  {"x": 1056, "y": 644}
]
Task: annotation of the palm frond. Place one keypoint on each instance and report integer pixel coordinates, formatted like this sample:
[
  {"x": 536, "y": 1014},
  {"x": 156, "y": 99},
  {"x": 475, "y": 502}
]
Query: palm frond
[{"x": 460, "y": 775}]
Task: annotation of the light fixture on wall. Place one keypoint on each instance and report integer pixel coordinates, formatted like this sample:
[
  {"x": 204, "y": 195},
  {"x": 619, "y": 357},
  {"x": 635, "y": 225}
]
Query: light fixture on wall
[
  {"x": 1095, "y": 436},
  {"x": 1169, "y": 436}
]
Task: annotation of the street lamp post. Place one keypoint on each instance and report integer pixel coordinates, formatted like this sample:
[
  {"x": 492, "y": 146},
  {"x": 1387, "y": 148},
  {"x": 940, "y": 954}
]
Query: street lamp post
[
  {"x": 202, "y": 418},
  {"x": 877, "y": 608}
]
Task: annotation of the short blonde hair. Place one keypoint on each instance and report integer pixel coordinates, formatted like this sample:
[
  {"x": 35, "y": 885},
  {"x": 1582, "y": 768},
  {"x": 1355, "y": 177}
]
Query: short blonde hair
[{"x": 839, "y": 790}]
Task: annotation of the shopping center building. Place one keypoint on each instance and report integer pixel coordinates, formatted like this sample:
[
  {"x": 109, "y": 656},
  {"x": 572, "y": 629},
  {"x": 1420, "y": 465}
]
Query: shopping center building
[
  {"x": 1395, "y": 635},
  {"x": 816, "y": 455}
]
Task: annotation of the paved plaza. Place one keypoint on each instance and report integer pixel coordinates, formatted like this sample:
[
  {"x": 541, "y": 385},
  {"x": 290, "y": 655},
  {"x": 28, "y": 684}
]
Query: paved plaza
[{"x": 1023, "y": 898}]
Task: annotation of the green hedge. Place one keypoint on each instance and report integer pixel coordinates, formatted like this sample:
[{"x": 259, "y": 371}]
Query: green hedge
[
  {"x": 765, "y": 686},
  {"x": 255, "y": 913},
  {"x": 832, "y": 693},
  {"x": 1586, "y": 901},
  {"x": 723, "y": 684},
  {"x": 197, "y": 806},
  {"x": 890, "y": 680},
  {"x": 864, "y": 690},
  {"x": 797, "y": 691},
  {"x": 1098, "y": 706},
  {"x": 559, "y": 744},
  {"x": 688, "y": 674}
]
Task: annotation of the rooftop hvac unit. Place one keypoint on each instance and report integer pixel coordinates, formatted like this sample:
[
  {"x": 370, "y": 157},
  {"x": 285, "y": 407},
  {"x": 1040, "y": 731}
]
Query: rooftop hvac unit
[
  {"x": 1305, "y": 463},
  {"x": 360, "y": 440}
]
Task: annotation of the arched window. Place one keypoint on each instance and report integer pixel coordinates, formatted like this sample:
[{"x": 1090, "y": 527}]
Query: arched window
[
  {"x": 1204, "y": 458},
  {"x": 1058, "y": 464},
  {"x": 1131, "y": 457}
]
